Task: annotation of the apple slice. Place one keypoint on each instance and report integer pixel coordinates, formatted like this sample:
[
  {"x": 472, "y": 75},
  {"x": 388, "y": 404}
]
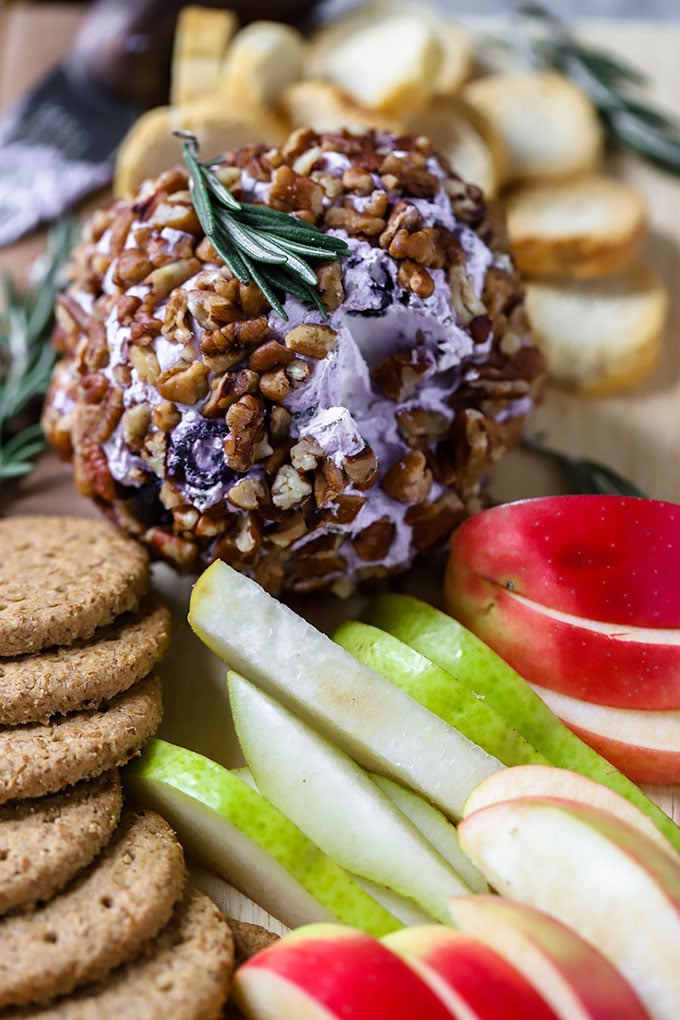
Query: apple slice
[
  {"x": 596, "y": 874},
  {"x": 548, "y": 781},
  {"x": 335, "y": 803},
  {"x": 437, "y": 690},
  {"x": 644, "y": 745},
  {"x": 378, "y": 725},
  {"x": 324, "y": 972},
  {"x": 448, "y": 643},
  {"x": 570, "y": 974},
  {"x": 578, "y": 594},
  {"x": 435, "y": 827},
  {"x": 610, "y": 558},
  {"x": 234, "y": 831},
  {"x": 473, "y": 981}
]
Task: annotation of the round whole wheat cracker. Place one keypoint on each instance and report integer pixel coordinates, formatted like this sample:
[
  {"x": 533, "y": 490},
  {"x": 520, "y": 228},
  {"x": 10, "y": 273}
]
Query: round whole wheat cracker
[
  {"x": 85, "y": 673},
  {"x": 38, "y": 759},
  {"x": 185, "y": 974},
  {"x": 45, "y": 842},
  {"x": 62, "y": 577},
  {"x": 100, "y": 921}
]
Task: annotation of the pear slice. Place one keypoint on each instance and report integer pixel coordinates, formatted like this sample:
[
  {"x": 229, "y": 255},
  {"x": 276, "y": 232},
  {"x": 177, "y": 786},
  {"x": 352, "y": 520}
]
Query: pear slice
[
  {"x": 378, "y": 725},
  {"x": 319, "y": 788},
  {"x": 438, "y": 690},
  {"x": 447, "y": 643},
  {"x": 235, "y": 832},
  {"x": 401, "y": 907},
  {"x": 436, "y": 827}
]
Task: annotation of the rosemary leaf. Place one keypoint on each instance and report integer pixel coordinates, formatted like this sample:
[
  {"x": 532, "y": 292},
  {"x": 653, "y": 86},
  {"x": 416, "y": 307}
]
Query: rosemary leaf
[
  {"x": 266, "y": 246},
  {"x": 583, "y": 474},
  {"x": 542, "y": 40},
  {"x": 26, "y": 356}
]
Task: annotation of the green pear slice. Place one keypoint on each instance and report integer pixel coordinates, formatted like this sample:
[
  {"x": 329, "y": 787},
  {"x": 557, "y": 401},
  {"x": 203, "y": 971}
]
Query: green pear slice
[
  {"x": 319, "y": 788},
  {"x": 377, "y": 724},
  {"x": 438, "y": 690},
  {"x": 436, "y": 828},
  {"x": 234, "y": 831},
  {"x": 401, "y": 907},
  {"x": 447, "y": 643}
]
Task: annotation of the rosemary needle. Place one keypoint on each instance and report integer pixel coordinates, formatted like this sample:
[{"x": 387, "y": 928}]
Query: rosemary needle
[
  {"x": 26, "y": 356},
  {"x": 612, "y": 84},
  {"x": 266, "y": 246}
]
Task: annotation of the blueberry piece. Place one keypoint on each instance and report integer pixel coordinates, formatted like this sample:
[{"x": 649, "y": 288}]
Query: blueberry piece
[{"x": 196, "y": 455}]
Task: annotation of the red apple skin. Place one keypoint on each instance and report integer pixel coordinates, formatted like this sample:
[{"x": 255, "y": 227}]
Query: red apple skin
[
  {"x": 348, "y": 973},
  {"x": 561, "y": 655},
  {"x": 477, "y": 977},
  {"x": 640, "y": 743},
  {"x": 542, "y": 947},
  {"x": 609, "y": 558}
]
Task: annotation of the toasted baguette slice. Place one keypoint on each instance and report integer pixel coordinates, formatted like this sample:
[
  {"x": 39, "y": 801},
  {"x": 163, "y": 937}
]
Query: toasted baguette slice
[
  {"x": 389, "y": 63},
  {"x": 324, "y": 107},
  {"x": 599, "y": 335},
  {"x": 261, "y": 61},
  {"x": 468, "y": 140},
  {"x": 455, "y": 41},
  {"x": 585, "y": 227},
  {"x": 201, "y": 38},
  {"x": 150, "y": 147},
  {"x": 549, "y": 126}
]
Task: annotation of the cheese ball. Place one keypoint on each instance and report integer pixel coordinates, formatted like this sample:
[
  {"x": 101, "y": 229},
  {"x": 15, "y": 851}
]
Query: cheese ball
[{"x": 316, "y": 451}]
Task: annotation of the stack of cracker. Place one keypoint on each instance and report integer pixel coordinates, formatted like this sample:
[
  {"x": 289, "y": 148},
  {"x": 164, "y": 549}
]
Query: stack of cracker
[{"x": 95, "y": 920}]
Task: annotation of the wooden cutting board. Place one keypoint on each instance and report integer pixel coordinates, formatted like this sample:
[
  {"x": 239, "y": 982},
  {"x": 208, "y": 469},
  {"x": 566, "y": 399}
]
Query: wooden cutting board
[{"x": 637, "y": 432}]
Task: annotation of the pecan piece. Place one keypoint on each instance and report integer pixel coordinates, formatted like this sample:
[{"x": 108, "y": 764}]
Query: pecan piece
[
  {"x": 184, "y": 384},
  {"x": 289, "y": 488},
  {"x": 274, "y": 385},
  {"x": 362, "y": 468},
  {"x": 354, "y": 222},
  {"x": 291, "y": 192},
  {"x": 312, "y": 341},
  {"x": 227, "y": 389},
  {"x": 373, "y": 543},
  {"x": 414, "y": 277},
  {"x": 329, "y": 482},
  {"x": 132, "y": 266},
  {"x": 409, "y": 480},
  {"x": 270, "y": 354},
  {"x": 248, "y": 494}
]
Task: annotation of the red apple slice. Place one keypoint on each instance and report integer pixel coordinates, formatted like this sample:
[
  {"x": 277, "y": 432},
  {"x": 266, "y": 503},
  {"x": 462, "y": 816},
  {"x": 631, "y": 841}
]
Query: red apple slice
[
  {"x": 615, "y": 559},
  {"x": 645, "y": 746},
  {"x": 548, "y": 781},
  {"x": 571, "y": 975},
  {"x": 472, "y": 980},
  {"x": 326, "y": 972},
  {"x": 606, "y": 663},
  {"x": 596, "y": 874}
]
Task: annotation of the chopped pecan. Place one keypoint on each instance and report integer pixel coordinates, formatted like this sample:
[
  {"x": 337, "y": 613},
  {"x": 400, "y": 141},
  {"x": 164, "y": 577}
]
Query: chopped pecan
[
  {"x": 210, "y": 309},
  {"x": 132, "y": 266},
  {"x": 409, "y": 480},
  {"x": 248, "y": 493},
  {"x": 184, "y": 383},
  {"x": 176, "y": 212},
  {"x": 345, "y": 507},
  {"x": 405, "y": 174},
  {"x": 279, "y": 423},
  {"x": 166, "y": 415},
  {"x": 245, "y": 420},
  {"x": 91, "y": 472},
  {"x": 175, "y": 326},
  {"x": 312, "y": 571},
  {"x": 126, "y": 306},
  {"x": 249, "y": 535},
  {"x": 330, "y": 285},
  {"x": 252, "y": 300},
  {"x": 284, "y": 535},
  {"x": 275, "y": 385},
  {"x": 404, "y": 216},
  {"x": 154, "y": 451},
  {"x": 271, "y": 354},
  {"x": 414, "y": 277},
  {"x": 181, "y": 551},
  {"x": 185, "y": 518},
  {"x": 306, "y": 453},
  {"x": 289, "y": 488},
  {"x": 354, "y": 222},
  {"x": 373, "y": 543},
  {"x": 304, "y": 164},
  {"x": 227, "y": 389},
  {"x": 205, "y": 251},
  {"x": 311, "y": 340},
  {"x": 135, "y": 424},
  {"x": 431, "y": 523},
  {"x": 420, "y": 428},
  {"x": 298, "y": 142},
  {"x": 298, "y": 371},
  {"x": 291, "y": 191},
  {"x": 329, "y": 482},
  {"x": 399, "y": 374},
  {"x": 362, "y": 468},
  {"x": 120, "y": 228},
  {"x": 164, "y": 279},
  {"x": 358, "y": 180}
]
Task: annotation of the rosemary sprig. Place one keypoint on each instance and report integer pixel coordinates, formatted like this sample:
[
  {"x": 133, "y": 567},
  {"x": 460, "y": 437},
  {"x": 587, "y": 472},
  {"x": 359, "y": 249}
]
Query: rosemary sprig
[
  {"x": 612, "y": 84},
  {"x": 583, "y": 474},
  {"x": 26, "y": 356},
  {"x": 259, "y": 244}
]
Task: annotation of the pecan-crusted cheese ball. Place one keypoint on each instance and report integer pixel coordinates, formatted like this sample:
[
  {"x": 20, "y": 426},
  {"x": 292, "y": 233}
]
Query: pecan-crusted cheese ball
[{"x": 310, "y": 453}]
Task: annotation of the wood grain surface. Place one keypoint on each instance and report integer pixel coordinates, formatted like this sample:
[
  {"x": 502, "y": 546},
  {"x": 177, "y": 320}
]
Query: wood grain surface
[{"x": 636, "y": 431}]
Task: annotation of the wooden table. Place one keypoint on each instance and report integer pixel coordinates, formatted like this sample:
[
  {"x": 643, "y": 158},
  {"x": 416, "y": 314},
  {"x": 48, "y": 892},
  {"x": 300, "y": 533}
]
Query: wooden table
[{"x": 637, "y": 432}]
